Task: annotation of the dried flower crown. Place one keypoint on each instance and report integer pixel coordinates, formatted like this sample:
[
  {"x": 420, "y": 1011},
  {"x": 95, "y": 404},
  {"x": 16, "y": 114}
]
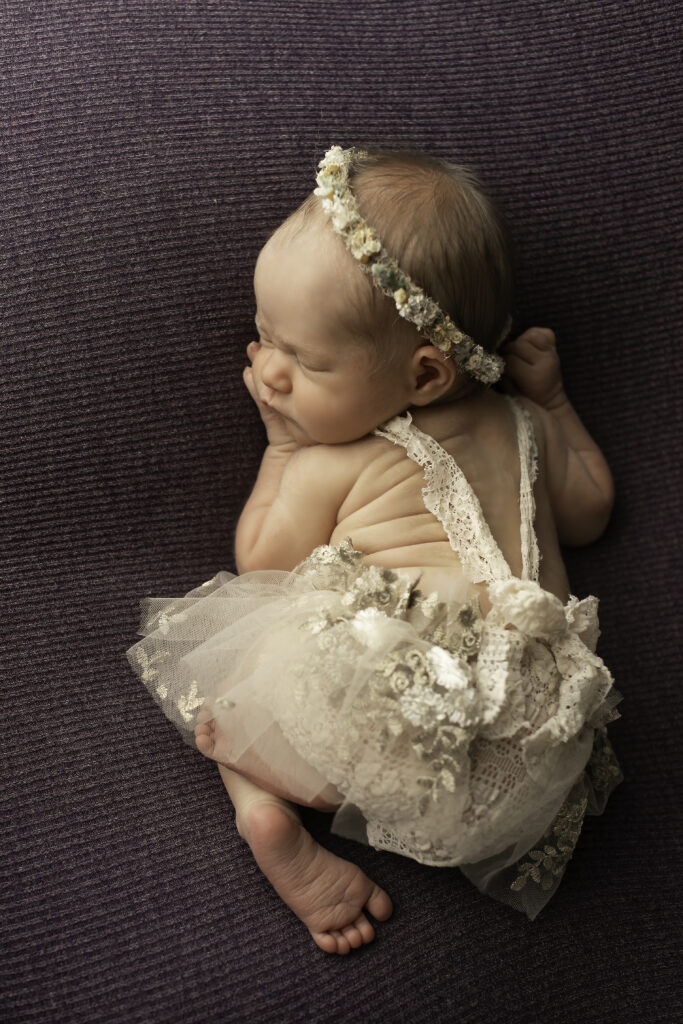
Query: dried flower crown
[{"x": 411, "y": 301}]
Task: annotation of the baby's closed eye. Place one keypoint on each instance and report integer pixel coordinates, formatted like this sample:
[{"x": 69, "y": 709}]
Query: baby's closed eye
[{"x": 311, "y": 368}]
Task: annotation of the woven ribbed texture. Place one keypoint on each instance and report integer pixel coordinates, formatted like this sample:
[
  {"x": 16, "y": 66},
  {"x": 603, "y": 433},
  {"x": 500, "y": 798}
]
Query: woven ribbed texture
[{"x": 147, "y": 149}]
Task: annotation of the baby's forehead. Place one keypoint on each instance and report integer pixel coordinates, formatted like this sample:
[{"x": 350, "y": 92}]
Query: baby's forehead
[
  {"x": 304, "y": 253},
  {"x": 307, "y": 223},
  {"x": 308, "y": 236}
]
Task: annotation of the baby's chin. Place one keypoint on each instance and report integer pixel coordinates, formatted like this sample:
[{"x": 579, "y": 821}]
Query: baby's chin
[
  {"x": 301, "y": 436},
  {"x": 332, "y": 438},
  {"x": 329, "y": 434}
]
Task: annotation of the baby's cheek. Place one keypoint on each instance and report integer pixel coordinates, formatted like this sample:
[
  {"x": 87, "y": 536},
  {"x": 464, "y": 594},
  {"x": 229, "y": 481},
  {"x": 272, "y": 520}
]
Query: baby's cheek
[{"x": 325, "y": 407}]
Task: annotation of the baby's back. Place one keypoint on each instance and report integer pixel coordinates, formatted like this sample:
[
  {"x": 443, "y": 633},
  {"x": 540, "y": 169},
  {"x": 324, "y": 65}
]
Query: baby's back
[{"x": 385, "y": 516}]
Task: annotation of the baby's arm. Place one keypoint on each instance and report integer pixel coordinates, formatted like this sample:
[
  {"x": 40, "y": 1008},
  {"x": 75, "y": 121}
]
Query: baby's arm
[
  {"x": 293, "y": 506},
  {"x": 580, "y": 484},
  {"x": 287, "y": 514}
]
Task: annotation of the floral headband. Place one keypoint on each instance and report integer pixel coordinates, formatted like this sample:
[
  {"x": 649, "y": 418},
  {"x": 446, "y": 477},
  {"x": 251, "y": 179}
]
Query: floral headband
[{"x": 412, "y": 303}]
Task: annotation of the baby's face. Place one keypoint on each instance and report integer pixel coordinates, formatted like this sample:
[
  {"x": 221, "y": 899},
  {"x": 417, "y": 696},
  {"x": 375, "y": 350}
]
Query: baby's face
[{"x": 309, "y": 367}]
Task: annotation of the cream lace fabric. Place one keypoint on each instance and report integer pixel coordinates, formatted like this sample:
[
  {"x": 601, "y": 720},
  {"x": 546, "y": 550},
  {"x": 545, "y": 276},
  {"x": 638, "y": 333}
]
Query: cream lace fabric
[
  {"x": 449, "y": 497},
  {"x": 453, "y": 739}
]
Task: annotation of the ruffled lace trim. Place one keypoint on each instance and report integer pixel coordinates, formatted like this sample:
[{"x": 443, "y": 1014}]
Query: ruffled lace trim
[{"x": 528, "y": 463}]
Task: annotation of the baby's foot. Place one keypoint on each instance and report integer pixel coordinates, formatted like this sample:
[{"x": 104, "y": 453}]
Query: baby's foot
[{"x": 327, "y": 893}]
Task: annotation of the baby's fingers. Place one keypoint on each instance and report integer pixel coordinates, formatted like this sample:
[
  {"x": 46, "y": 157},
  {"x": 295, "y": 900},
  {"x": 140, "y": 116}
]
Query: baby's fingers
[
  {"x": 529, "y": 344},
  {"x": 248, "y": 377},
  {"x": 519, "y": 350},
  {"x": 539, "y": 337},
  {"x": 252, "y": 349},
  {"x": 533, "y": 365}
]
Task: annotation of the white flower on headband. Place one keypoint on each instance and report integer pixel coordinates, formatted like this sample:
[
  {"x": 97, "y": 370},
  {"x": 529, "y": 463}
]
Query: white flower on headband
[
  {"x": 342, "y": 218},
  {"x": 412, "y": 303}
]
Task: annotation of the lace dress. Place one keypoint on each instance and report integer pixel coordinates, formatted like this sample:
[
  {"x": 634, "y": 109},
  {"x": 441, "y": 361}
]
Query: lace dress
[{"x": 453, "y": 739}]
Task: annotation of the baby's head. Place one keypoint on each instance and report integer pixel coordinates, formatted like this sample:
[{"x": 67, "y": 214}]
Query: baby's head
[
  {"x": 417, "y": 324},
  {"x": 442, "y": 230}
]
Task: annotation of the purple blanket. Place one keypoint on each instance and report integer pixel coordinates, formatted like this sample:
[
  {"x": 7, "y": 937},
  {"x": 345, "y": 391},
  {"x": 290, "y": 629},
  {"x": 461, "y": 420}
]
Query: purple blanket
[{"x": 147, "y": 150}]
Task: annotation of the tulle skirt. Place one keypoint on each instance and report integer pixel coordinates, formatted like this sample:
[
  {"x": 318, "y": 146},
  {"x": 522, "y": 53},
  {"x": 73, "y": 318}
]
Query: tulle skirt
[{"x": 444, "y": 736}]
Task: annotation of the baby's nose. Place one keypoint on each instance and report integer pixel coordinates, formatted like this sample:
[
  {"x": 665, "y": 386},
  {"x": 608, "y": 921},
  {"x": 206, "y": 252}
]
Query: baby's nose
[{"x": 275, "y": 371}]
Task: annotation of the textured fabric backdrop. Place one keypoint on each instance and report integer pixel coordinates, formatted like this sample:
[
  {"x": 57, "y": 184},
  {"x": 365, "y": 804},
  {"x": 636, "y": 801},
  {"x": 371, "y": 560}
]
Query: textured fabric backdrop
[{"x": 147, "y": 149}]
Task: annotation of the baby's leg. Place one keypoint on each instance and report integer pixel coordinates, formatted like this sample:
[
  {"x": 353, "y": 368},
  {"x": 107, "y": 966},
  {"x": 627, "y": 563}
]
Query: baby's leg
[
  {"x": 213, "y": 743},
  {"x": 327, "y": 893}
]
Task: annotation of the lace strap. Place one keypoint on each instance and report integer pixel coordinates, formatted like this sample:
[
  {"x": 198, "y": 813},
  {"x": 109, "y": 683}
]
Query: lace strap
[
  {"x": 528, "y": 471},
  {"x": 448, "y": 495}
]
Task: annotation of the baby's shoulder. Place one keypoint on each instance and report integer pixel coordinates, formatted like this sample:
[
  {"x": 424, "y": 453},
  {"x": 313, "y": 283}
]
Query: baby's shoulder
[{"x": 359, "y": 471}]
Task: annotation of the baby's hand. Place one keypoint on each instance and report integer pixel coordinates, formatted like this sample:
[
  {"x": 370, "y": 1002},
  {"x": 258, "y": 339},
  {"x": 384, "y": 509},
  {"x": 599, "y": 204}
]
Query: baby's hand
[
  {"x": 275, "y": 424},
  {"x": 532, "y": 366}
]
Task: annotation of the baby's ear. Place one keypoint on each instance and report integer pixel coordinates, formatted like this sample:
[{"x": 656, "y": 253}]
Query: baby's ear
[{"x": 432, "y": 374}]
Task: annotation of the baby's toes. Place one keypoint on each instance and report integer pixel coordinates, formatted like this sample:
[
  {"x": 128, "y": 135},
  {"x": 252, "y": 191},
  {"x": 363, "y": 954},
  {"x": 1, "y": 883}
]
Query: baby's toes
[
  {"x": 354, "y": 936},
  {"x": 379, "y": 905},
  {"x": 364, "y": 928},
  {"x": 204, "y": 738},
  {"x": 331, "y": 942}
]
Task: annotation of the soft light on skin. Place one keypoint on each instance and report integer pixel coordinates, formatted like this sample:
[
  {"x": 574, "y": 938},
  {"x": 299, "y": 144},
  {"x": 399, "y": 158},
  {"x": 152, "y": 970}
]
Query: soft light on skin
[{"x": 313, "y": 372}]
